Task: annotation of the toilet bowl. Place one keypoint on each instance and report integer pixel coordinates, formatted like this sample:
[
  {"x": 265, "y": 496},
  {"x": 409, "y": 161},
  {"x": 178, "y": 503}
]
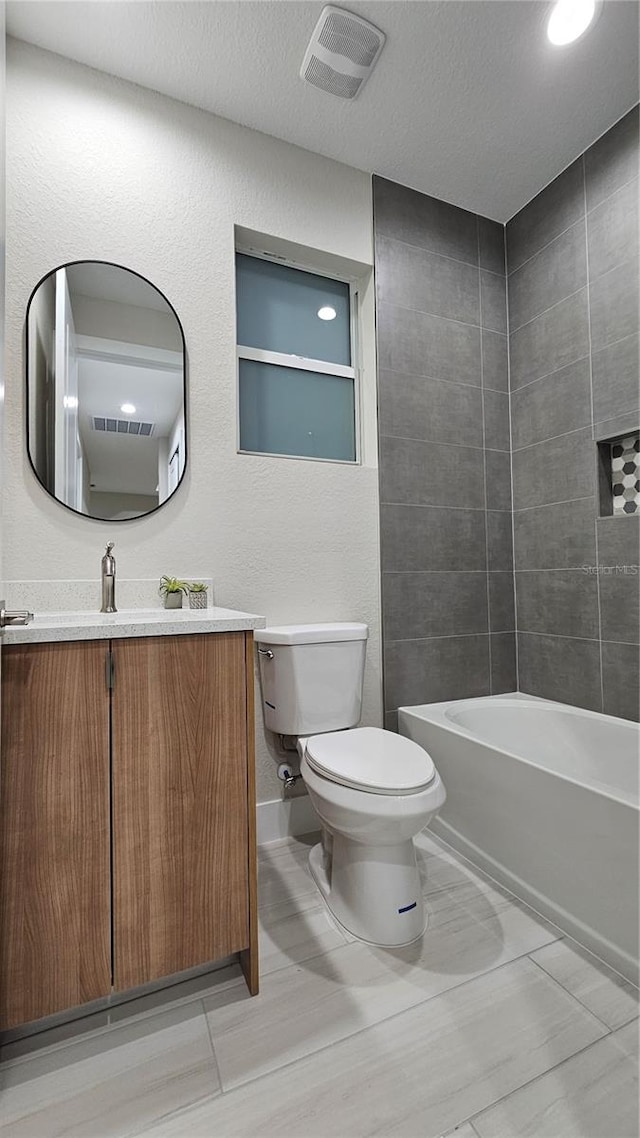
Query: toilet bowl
[{"x": 373, "y": 792}]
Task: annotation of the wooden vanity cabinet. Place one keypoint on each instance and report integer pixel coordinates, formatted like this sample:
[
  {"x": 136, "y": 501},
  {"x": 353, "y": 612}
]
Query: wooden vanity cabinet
[
  {"x": 54, "y": 830},
  {"x": 127, "y": 816},
  {"x": 180, "y": 811}
]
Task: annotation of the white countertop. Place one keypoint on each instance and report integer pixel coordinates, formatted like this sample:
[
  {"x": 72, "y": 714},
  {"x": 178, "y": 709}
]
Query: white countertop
[{"x": 51, "y": 626}]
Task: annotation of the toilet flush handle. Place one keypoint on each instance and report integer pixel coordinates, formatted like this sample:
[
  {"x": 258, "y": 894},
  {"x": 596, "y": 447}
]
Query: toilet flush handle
[{"x": 265, "y": 652}]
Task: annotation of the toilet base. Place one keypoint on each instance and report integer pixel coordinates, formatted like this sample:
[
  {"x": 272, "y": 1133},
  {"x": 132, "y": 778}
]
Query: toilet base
[{"x": 374, "y": 892}]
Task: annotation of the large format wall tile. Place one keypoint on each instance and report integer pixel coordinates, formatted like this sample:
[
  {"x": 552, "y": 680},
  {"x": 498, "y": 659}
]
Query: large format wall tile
[
  {"x": 430, "y": 474},
  {"x": 552, "y": 211},
  {"x": 435, "y": 538},
  {"x": 493, "y": 295},
  {"x": 560, "y": 668},
  {"x": 416, "y": 407},
  {"x": 566, "y": 374},
  {"x": 491, "y": 245},
  {"x": 621, "y": 679},
  {"x": 442, "y": 399},
  {"x": 417, "y": 279},
  {"x": 615, "y": 372},
  {"x": 504, "y": 675},
  {"x": 552, "y": 340},
  {"x": 574, "y": 380},
  {"x": 619, "y": 540},
  {"x": 499, "y": 540},
  {"x": 425, "y": 671},
  {"x": 555, "y": 405},
  {"x": 501, "y": 602},
  {"x": 619, "y": 587},
  {"x": 417, "y": 343},
  {"x": 498, "y": 475},
  {"x": 612, "y": 160},
  {"x": 559, "y": 536},
  {"x": 554, "y": 471},
  {"x": 417, "y": 605},
  {"x": 551, "y": 275},
  {"x": 495, "y": 361},
  {"x": 497, "y": 431},
  {"x": 612, "y": 230},
  {"x": 427, "y": 222},
  {"x": 614, "y": 305},
  {"x": 563, "y": 602}
]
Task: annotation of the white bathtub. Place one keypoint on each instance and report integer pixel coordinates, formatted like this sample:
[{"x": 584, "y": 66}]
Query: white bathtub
[{"x": 544, "y": 798}]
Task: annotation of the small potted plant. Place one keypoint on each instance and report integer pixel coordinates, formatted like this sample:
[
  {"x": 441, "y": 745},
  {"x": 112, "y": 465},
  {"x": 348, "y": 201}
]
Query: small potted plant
[
  {"x": 172, "y": 589},
  {"x": 197, "y": 595}
]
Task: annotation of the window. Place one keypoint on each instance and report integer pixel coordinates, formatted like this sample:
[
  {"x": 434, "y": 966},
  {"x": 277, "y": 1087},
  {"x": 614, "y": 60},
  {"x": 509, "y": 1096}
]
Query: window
[{"x": 297, "y": 383}]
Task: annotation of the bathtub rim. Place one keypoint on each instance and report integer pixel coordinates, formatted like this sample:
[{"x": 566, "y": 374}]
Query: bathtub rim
[{"x": 439, "y": 718}]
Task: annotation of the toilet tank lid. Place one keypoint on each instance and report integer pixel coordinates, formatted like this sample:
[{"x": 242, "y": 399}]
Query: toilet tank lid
[{"x": 311, "y": 633}]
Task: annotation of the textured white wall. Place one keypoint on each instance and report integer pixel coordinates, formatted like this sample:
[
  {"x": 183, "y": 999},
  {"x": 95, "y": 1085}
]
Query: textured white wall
[{"x": 101, "y": 168}]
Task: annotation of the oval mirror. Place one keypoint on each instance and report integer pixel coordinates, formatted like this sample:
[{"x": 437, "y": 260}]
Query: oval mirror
[{"x": 106, "y": 405}]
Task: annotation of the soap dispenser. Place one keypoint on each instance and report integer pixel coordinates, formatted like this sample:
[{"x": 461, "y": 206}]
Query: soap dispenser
[{"x": 108, "y": 566}]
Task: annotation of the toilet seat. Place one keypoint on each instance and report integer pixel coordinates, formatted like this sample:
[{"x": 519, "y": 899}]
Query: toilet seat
[{"x": 370, "y": 759}]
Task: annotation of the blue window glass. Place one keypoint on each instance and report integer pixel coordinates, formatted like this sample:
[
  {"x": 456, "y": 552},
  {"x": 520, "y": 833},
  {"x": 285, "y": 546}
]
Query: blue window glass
[
  {"x": 277, "y": 310},
  {"x": 285, "y": 410}
]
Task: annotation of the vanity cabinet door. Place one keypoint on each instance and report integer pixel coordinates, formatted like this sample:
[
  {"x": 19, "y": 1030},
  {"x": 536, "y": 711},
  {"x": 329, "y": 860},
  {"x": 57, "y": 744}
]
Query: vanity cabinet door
[
  {"x": 180, "y": 816},
  {"x": 55, "y": 935}
]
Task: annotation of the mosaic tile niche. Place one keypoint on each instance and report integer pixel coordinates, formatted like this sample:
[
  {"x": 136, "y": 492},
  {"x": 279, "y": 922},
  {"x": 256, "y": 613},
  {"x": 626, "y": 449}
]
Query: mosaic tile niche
[{"x": 625, "y": 474}]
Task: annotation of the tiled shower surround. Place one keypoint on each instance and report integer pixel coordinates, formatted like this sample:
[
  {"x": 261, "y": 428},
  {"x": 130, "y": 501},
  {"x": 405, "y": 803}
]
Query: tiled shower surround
[
  {"x": 446, "y": 392},
  {"x": 572, "y": 259},
  {"x": 445, "y": 487}
]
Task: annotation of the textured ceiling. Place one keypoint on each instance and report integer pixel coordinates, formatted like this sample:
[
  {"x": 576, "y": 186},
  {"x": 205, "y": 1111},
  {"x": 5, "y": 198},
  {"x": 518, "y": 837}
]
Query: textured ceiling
[{"x": 469, "y": 102}]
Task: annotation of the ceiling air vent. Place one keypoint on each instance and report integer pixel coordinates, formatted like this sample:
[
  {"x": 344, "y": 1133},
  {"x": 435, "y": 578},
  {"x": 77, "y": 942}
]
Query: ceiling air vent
[
  {"x": 122, "y": 426},
  {"x": 342, "y": 53}
]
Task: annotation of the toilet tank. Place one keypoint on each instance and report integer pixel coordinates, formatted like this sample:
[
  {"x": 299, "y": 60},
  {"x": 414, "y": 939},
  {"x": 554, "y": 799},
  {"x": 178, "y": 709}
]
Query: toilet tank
[{"x": 311, "y": 676}]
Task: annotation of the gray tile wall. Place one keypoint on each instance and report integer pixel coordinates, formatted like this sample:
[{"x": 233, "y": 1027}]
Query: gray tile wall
[
  {"x": 445, "y": 481},
  {"x": 572, "y": 261}
]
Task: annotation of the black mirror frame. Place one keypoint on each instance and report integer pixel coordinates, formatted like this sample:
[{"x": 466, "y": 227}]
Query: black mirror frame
[{"x": 79, "y": 513}]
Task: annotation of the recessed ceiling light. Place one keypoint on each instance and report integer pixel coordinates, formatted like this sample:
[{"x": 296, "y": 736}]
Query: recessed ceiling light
[
  {"x": 569, "y": 20},
  {"x": 70, "y": 402},
  {"x": 128, "y": 409},
  {"x": 327, "y": 312}
]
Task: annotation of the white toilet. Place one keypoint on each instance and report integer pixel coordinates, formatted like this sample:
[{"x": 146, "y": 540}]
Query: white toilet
[{"x": 373, "y": 790}]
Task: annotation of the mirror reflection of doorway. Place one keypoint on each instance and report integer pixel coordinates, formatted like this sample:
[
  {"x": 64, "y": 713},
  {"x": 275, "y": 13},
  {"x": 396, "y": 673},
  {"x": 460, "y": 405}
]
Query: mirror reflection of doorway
[
  {"x": 174, "y": 470},
  {"x": 106, "y": 423}
]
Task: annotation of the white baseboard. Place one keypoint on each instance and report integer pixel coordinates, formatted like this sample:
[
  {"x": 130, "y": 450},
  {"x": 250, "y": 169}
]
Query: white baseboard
[{"x": 279, "y": 819}]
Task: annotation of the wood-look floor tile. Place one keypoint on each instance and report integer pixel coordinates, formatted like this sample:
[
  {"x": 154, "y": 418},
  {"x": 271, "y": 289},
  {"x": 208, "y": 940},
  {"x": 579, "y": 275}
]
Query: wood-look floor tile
[
  {"x": 592, "y": 1095},
  {"x": 291, "y": 931},
  {"x": 465, "y": 1130},
  {"x": 628, "y": 1038},
  {"x": 302, "y": 1009},
  {"x": 441, "y": 867},
  {"x": 518, "y": 927},
  {"x": 114, "y": 1084},
  {"x": 420, "y": 1073},
  {"x": 603, "y": 992},
  {"x": 283, "y": 873}
]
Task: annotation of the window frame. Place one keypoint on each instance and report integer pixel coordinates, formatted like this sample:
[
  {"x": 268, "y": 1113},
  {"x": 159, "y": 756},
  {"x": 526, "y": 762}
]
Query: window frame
[{"x": 306, "y": 363}]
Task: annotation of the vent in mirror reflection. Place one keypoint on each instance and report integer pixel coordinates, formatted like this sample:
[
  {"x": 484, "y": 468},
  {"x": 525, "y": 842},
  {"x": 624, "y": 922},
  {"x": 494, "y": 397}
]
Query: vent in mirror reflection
[{"x": 122, "y": 426}]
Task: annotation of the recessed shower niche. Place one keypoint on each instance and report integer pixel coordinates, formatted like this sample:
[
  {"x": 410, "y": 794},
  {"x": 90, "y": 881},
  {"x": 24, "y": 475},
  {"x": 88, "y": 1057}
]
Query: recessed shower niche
[{"x": 619, "y": 475}]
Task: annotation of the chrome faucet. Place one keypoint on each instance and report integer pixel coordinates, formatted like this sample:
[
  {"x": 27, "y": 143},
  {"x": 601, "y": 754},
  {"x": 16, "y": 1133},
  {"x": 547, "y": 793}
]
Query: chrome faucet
[{"x": 108, "y": 565}]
